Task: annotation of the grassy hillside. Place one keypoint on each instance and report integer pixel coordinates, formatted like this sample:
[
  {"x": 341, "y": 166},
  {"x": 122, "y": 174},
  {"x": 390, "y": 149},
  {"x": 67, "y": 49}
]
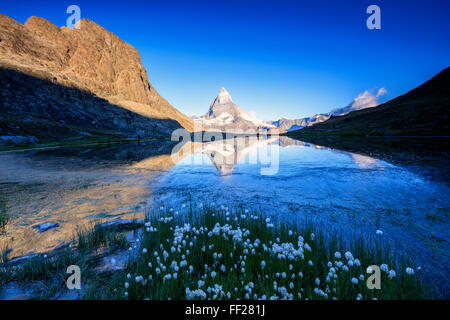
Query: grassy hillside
[{"x": 422, "y": 111}]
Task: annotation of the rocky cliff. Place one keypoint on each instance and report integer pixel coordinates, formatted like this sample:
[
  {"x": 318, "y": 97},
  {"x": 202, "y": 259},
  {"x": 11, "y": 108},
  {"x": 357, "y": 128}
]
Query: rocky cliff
[{"x": 82, "y": 69}]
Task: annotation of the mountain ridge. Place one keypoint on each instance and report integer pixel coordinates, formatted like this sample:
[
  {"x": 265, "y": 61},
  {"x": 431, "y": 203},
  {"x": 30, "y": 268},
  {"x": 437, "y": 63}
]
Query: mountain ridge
[
  {"x": 362, "y": 101},
  {"x": 90, "y": 59},
  {"x": 422, "y": 111}
]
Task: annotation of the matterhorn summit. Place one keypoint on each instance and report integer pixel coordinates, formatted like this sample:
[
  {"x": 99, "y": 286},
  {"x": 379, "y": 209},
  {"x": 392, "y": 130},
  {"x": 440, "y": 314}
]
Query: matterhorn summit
[
  {"x": 223, "y": 97},
  {"x": 224, "y": 114}
]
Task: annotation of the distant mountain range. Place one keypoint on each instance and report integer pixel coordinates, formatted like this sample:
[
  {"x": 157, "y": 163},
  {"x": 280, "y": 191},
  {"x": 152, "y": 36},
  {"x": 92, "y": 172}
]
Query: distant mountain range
[
  {"x": 61, "y": 82},
  {"x": 363, "y": 101},
  {"x": 223, "y": 114},
  {"x": 423, "y": 111},
  {"x": 295, "y": 124}
]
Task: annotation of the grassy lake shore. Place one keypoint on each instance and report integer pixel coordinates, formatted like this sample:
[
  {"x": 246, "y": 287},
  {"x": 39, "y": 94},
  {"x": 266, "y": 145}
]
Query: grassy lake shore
[{"x": 219, "y": 253}]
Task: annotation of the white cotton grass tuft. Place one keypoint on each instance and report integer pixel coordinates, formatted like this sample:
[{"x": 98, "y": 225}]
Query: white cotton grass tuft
[
  {"x": 348, "y": 255},
  {"x": 392, "y": 274},
  {"x": 279, "y": 256},
  {"x": 409, "y": 271}
]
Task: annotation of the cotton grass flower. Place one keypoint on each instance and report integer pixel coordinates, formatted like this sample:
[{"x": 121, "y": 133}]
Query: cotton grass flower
[
  {"x": 409, "y": 271},
  {"x": 215, "y": 234},
  {"x": 392, "y": 274}
]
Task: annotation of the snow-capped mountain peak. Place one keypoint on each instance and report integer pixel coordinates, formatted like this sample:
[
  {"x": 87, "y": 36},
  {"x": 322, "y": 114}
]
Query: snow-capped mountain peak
[
  {"x": 223, "y": 97},
  {"x": 224, "y": 114}
]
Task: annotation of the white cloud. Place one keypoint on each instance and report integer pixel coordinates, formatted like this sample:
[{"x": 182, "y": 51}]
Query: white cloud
[
  {"x": 381, "y": 92},
  {"x": 364, "y": 100},
  {"x": 367, "y": 99}
]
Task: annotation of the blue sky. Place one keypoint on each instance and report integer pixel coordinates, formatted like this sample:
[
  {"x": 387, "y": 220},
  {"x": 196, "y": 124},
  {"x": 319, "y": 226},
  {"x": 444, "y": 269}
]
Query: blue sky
[{"x": 276, "y": 58}]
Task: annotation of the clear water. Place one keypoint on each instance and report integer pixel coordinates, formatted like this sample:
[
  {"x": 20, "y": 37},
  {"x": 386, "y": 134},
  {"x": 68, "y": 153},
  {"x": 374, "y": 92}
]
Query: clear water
[{"x": 340, "y": 190}]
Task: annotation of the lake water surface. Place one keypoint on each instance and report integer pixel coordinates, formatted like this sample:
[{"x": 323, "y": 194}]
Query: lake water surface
[{"x": 286, "y": 178}]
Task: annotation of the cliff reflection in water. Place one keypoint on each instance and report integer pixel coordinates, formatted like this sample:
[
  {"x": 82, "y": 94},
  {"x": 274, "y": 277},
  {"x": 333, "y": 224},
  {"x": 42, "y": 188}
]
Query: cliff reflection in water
[
  {"x": 78, "y": 187},
  {"x": 75, "y": 187}
]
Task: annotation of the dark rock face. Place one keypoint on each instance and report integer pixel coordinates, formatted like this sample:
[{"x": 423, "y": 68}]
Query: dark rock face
[{"x": 30, "y": 96}]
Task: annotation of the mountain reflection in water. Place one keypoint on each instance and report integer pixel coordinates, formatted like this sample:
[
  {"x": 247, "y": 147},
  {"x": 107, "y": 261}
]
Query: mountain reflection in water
[{"x": 349, "y": 191}]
